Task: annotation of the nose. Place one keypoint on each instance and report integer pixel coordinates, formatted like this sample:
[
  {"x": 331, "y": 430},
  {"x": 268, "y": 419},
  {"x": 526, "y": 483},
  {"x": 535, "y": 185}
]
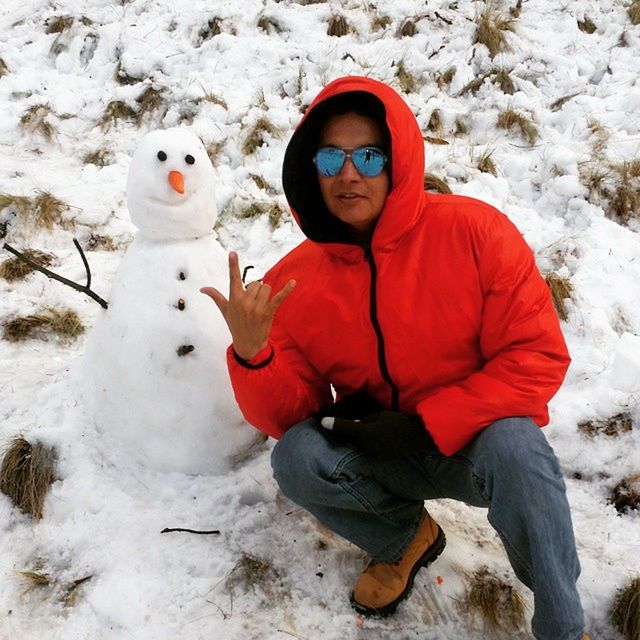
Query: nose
[{"x": 348, "y": 170}]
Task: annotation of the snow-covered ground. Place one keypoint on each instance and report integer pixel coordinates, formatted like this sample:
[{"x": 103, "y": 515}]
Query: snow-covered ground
[{"x": 221, "y": 66}]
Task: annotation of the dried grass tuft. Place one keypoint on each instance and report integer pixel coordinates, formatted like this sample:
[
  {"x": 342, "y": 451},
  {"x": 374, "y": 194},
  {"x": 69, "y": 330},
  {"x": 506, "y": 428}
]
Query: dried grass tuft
[
  {"x": 97, "y": 241},
  {"x": 117, "y": 110},
  {"x": 214, "y": 99},
  {"x": 35, "y": 120},
  {"x": 14, "y": 269},
  {"x": 625, "y": 200},
  {"x": 256, "y": 137},
  {"x": 475, "y": 84},
  {"x": 269, "y": 25},
  {"x": 556, "y": 105},
  {"x": 486, "y": 164},
  {"x": 209, "y": 30},
  {"x": 497, "y": 602},
  {"x": 492, "y": 29},
  {"x": 561, "y": 290},
  {"x": 262, "y": 184},
  {"x": 510, "y": 119},
  {"x": 433, "y": 183},
  {"x": 445, "y": 78},
  {"x": 48, "y": 210},
  {"x": 121, "y": 76},
  {"x": 380, "y": 22},
  {"x": 587, "y": 25},
  {"x": 460, "y": 126},
  {"x": 338, "y": 26},
  {"x": 3, "y": 68},
  {"x": 99, "y": 157},
  {"x": 65, "y": 324},
  {"x": 26, "y": 473},
  {"x": 150, "y": 101},
  {"x": 251, "y": 572},
  {"x": 634, "y": 12},
  {"x": 19, "y": 204},
  {"x": 626, "y": 494},
  {"x": 408, "y": 29},
  {"x": 435, "y": 121},
  {"x": 504, "y": 81},
  {"x": 407, "y": 81},
  {"x": 58, "y": 24},
  {"x": 612, "y": 427},
  {"x": 625, "y": 611},
  {"x": 515, "y": 11},
  {"x": 35, "y": 579}
]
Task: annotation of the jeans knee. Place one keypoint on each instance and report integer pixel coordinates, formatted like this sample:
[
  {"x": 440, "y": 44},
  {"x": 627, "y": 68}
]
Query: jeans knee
[{"x": 517, "y": 447}]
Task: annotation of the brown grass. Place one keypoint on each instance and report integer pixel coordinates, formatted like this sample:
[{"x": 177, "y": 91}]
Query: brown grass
[
  {"x": 433, "y": 183},
  {"x": 19, "y": 204},
  {"x": 444, "y": 78},
  {"x": 251, "y": 572},
  {"x": 26, "y": 473},
  {"x": 35, "y": 579},
  {"x": 15, "y": 269},
  {"x": 634, "y": 12},
  {"x": 214, "y": 99},
  {"x": 380, "y": 22},
  {"x": 460, "y": 126},
  {"x": 504, "y": 81},
  {"x": 35, "y": 120},
  {"x": 97, "y": 241},
  {"x": 269, "y": 25},
  {"x": 262, "y": 184},
  {"x": 626, "y": 494},
  {"x": 209, "y": 30},
  {"x": 499, "y": 604},
  {"x": 587, "y": 25},
  {"x": 435, "y": 121},
  {"x": 338, "y": 26},
  {"x": 510, "y": 119},
  {"x": 99, "y": 157},
  {"x": 407, "y": 29},
  {"x": 612, "y": 427},
  {"x": 515, "y": 11},
  {"x": 556, "y": 105},
  {"x": 256, "y": 137},
  {"x": 150, "y": 101},
  {"x": 492, "y": 29},
  {"x": 65, "y": 324},
  {"x": 561, "y": 290},
  {"x": 48, "y": 210},
  {"x": 3, "y": 68},
  {"x": 58, "y": 24},
  {"x": 407, "y": 81},
  {"x": 475, "y": 84},
  {"x": 486, "y": 164},
  {"x": 117, "y": 110},
  {"x": 625, "y": 611},
  {"x": 122, "y": 77}
]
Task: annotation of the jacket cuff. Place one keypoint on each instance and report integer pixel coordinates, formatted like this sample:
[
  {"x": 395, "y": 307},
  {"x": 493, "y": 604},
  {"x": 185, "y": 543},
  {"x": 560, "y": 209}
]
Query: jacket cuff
[{"x": 261, "y": 359}]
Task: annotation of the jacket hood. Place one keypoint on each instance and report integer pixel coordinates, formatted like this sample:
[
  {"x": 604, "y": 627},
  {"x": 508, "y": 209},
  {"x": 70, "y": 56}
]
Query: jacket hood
[{"x": 403, "y": 204}]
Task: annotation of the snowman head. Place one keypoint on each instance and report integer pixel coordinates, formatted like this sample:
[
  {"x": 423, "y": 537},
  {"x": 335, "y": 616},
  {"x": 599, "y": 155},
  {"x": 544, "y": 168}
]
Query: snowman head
[{"x": 170, "y": 188}]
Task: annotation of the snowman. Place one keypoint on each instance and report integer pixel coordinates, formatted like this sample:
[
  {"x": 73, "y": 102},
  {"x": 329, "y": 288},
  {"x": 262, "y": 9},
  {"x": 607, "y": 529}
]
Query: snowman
[{"x": 155, "y": 359}]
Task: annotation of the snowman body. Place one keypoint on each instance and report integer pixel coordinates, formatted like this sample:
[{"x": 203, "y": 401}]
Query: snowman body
[{"x": 157, "y": 355}]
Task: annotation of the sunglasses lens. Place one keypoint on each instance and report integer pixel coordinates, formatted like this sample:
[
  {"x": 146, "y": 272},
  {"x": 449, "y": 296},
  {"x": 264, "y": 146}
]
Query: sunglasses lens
[
  {"x": 329, "y": 161},
  {"x": 369, "y": 161}
]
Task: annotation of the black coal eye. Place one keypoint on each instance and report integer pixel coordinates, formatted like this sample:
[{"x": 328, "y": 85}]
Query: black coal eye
[
  {"x": 189, "y": 159},
  {"x": 162, "y": 156}
]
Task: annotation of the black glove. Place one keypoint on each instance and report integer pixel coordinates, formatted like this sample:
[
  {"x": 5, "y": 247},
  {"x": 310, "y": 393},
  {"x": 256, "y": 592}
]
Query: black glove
[
  {"x": 356, "y": 406},
  {"x": 386, "y": 435}
]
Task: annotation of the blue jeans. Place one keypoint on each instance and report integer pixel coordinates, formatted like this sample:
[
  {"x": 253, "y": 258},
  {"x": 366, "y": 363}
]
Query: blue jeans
[{"x": 508, "y": 468}]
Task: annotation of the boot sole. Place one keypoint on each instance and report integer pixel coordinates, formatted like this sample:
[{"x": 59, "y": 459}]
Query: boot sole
[{"x": 424, "y": 561}]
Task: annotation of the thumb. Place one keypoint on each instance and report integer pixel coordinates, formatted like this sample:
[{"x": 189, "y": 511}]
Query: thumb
[
  {"x": 341, "y": 426},
  {"x": 221, "y": 302}
]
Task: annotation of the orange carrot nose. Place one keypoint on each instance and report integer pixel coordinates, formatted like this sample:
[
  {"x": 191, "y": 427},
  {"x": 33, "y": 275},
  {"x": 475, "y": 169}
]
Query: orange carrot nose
[{"x": 176, "y": 180}]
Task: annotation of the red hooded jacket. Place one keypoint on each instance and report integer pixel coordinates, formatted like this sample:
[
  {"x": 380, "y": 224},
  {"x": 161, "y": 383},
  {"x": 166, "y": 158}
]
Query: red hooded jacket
[{"x": 444, "y": 315}]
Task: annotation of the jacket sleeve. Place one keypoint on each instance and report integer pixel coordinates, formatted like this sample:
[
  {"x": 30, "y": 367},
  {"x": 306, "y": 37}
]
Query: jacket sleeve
[
  {"x": 283, "y": 392},
  {"x": 525, "y": 354}
]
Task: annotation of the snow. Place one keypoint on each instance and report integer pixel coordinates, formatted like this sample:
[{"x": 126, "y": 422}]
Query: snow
[{"x": 105, "y": 511}]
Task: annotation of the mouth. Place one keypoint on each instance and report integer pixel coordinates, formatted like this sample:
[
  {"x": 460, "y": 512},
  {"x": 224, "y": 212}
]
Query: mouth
[{"x": 349, "y": 196}]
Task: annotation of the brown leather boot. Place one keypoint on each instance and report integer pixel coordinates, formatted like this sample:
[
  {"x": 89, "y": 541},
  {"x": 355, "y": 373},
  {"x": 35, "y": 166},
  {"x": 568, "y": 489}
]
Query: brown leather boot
[{"x": 382, "y": 586}]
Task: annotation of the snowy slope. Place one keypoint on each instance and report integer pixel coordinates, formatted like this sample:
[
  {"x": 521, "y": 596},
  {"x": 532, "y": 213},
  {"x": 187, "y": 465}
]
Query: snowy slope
[{"x": 220, "y": 72}]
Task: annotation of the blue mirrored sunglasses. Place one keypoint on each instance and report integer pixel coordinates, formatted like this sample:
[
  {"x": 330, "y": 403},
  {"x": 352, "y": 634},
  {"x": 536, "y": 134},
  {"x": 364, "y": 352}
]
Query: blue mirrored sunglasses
[{"x": 368, "y": 161}]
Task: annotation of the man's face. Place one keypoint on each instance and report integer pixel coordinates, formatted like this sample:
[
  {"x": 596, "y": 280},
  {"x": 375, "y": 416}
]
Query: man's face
[{"x": 355, "y": 199}]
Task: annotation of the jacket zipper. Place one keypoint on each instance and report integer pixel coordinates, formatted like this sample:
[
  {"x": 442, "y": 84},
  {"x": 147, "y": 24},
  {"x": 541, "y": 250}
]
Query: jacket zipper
[{"x": 373, "y": 309}]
